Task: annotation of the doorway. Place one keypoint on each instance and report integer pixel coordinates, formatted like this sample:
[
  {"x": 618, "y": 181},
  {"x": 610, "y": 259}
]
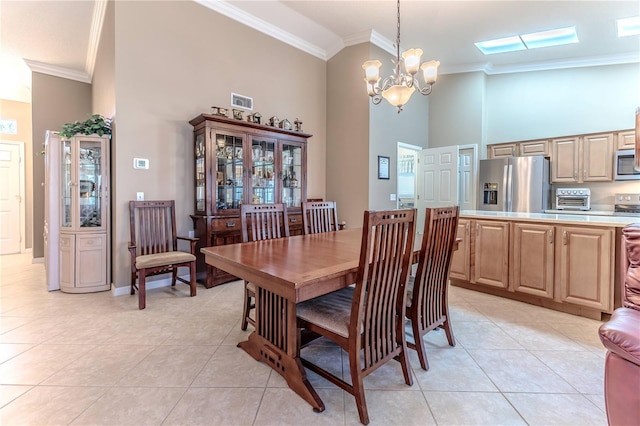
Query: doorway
[
  {"x": 407, "y": 175},
  {"x": 12, "y": 197}
]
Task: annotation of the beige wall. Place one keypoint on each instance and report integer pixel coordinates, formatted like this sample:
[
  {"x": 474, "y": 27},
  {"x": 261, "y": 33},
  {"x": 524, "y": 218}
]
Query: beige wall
[
  {"x": 103, "y": 91},
  {"x": 21, "y": 112},
  {"x": 348, "y": 134},
  {"x": 184, "y": 59},
  {"x": 55, "y": 101}
]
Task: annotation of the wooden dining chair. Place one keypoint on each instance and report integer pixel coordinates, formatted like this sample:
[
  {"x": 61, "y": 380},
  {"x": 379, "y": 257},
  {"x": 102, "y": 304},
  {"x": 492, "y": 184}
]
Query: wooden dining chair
[
  {"x": 154, "y": 246},
  {"x": 260, "y": 222},
  {"x": 367, "y": 320},
  {"x": 427, "y": 298},
  {"x": 319, "y": 216}
]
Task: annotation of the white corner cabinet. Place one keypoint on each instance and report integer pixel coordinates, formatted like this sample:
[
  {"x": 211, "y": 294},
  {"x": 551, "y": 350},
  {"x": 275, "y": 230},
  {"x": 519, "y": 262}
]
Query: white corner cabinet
[{"x": 77, "y": 222}]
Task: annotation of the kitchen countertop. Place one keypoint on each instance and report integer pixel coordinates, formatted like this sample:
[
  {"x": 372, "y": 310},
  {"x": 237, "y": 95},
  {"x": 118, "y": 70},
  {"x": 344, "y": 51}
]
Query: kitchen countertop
[{"x": 573, "y": 219}]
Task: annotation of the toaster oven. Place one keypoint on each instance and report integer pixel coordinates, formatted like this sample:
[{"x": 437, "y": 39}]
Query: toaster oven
[{"x": 573, "y": 199}]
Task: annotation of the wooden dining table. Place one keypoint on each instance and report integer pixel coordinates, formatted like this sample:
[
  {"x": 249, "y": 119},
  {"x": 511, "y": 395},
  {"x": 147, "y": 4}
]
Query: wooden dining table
[{"x": 287, "y": 271}]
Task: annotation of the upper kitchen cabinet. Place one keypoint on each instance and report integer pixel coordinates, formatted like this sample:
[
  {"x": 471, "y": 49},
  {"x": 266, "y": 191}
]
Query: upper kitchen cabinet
[
  {"x": 626, "y": 140},
  {"x": 502, "y": 150},
  {"x": 579, "y": 159},
  {"x": 538, "y": 147},
  {"x": 240, "y": 162}
]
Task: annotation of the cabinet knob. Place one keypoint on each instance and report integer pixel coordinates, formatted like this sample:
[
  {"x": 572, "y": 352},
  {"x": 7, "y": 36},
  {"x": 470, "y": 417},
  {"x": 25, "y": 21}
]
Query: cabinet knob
[
  {"x": 550, "y": 236},
  {"x": 477, "y": 229},
  {"x": 564, "y": 238}
]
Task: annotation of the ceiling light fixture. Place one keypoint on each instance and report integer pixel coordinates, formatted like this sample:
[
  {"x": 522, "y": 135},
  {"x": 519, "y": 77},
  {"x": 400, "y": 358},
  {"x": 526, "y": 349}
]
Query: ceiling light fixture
[
  {"x": 535, "y": 40},
  {"x": 398, "y": 87}
]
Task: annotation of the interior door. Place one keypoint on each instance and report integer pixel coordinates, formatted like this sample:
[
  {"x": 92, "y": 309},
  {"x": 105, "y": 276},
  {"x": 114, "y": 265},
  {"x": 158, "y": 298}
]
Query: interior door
[
  {"x": 437, "y": 179},
  {"x": 10, "y": 198}
]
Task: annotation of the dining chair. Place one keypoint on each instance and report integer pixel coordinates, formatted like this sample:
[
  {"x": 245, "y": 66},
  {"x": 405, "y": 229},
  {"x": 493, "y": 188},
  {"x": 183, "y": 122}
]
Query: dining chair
[
  {"x": 154, "y": 246},
  {"x": 260, "y": 222},
  {"x": 427, "y": 294},
  {"x": 319, "y": 216},
  {"x": 367, "y": 320}
]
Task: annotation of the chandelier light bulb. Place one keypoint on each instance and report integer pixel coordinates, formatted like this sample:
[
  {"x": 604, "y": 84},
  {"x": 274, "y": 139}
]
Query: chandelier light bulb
[
  {"x": 411, "y": 59},
  {"x": 430, "y": 71}
]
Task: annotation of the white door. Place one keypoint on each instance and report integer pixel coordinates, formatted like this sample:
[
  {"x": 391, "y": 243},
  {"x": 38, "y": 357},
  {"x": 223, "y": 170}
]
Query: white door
[
  {"x": 468, "y": 177},
  {"x": 10, "y": 199},
  {"x": 437, "y": 180}
]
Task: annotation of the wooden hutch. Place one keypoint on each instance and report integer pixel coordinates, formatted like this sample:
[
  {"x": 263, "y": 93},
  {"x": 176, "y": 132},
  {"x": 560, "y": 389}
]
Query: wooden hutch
[{"x": 240, "y": 162}]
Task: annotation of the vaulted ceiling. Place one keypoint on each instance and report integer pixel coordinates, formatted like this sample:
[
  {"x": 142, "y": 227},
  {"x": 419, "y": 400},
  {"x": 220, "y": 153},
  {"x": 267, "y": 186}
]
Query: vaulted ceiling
[{"x": 62, "y": 35}]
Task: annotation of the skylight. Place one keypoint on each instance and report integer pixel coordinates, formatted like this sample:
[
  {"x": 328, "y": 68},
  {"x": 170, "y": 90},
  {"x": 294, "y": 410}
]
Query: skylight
[
  {"x": 529, "y": 41},
  {"x": 628, "y": 26}
]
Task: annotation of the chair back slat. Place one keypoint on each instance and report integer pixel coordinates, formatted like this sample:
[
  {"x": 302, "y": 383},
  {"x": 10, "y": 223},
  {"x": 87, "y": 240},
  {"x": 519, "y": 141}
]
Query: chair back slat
[
  {"x": 153, "y": 226},
  {"x": 429, "y": 297},
  {"x": 385, "y": 260},
  {"x": 264, "y": 222},
  {"x": 319, "y": 216}
]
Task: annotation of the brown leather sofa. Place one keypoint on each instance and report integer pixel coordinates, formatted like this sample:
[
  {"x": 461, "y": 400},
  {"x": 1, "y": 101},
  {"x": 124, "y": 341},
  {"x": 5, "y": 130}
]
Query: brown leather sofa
[{"x": 621, "y": 336}]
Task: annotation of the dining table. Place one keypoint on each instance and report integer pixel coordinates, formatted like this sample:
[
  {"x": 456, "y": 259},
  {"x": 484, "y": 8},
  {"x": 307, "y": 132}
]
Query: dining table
[{"x": 287, "y": 271}]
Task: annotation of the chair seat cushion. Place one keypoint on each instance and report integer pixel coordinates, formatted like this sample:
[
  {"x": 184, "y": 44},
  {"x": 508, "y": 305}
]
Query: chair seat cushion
[
  {"x": 163, "y": 259},
  {"x": 621, "y": 334},
  {"x": 331, "y": 311}
]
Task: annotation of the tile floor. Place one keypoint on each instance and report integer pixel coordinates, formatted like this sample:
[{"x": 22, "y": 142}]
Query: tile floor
[{"x": 96, "y": 359}]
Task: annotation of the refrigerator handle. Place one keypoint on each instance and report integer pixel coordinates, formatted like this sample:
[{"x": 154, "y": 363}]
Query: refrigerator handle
[{"x": 507, "y": 196}]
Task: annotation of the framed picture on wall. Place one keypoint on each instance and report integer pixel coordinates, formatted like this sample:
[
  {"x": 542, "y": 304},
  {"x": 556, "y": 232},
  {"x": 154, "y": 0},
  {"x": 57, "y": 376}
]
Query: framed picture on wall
[{"x": 383, "y": 167}]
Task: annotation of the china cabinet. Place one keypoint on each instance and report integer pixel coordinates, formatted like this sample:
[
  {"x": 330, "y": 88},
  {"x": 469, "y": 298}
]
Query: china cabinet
[
  {"x": 76, "y": 231},
  {"x": 240, "y": 162}
]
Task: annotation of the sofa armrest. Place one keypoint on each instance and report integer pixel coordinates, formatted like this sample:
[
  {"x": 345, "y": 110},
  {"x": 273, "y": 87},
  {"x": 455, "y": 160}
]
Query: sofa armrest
[{"x": 621, "y": 334}]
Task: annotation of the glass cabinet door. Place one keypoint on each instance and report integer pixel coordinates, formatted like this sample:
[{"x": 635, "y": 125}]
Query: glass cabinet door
[
  {"x": 200, "y": 173},
  {"x": 263, "y": 171},
  {"x": 66, "y": 185},
  {"x": 229, "y": 171},
  {"x": 90, "y": 175},
  {"x": 292, "y": 175}
]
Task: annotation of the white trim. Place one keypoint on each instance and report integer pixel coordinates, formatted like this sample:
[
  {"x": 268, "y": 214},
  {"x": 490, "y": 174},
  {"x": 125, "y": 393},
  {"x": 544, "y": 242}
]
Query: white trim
[
  {"x": 97, "y": 21},
  {"x": 230, "y": 11},
  {"x": 56, "y": 71},
  {"x": 23, "y": 199},
  {"x": 410, "y": 146}
]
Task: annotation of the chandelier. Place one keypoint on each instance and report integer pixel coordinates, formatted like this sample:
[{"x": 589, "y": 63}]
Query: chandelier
[{"x": 398, "y": 87}]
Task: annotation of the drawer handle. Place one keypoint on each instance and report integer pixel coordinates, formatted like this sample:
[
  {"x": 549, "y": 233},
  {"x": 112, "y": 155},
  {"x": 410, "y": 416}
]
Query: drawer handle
[
  {"x": 564, "y": 238},
  {"x": 550, "y": 236},
  {"x": 293, "y": 219},
  {"x": 231, "y": 224}
]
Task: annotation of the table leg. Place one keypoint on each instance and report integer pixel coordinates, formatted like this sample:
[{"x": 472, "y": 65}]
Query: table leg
[{"x": 276, "y": 341}]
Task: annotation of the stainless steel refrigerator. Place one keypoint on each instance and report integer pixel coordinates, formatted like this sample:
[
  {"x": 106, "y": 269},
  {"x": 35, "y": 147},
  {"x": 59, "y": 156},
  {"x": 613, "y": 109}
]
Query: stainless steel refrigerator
[{"x": 515, "y": 184}]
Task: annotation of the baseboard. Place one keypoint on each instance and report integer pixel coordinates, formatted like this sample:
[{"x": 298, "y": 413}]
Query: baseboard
[
  {"x": 37, "y": 260},
  {"x": 125, "y": 291}
]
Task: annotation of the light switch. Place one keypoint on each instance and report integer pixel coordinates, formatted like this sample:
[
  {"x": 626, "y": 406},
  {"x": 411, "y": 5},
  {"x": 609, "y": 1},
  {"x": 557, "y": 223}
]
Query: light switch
[
  {"x": 392, "y": 197},
  {"x": 141, "y": 163},
  {"x": 140, "y": 196}
]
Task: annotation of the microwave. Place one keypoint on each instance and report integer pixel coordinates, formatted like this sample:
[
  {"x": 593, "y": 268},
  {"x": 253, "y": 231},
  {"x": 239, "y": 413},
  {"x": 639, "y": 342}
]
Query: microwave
[{"x": 624, "y": 165}]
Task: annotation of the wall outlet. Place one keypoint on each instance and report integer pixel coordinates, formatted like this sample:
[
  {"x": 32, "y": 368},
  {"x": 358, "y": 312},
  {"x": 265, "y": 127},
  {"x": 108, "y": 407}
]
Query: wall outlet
[
  {"x": 392, "y": 197},
  {"x": 140, "y": 196}
]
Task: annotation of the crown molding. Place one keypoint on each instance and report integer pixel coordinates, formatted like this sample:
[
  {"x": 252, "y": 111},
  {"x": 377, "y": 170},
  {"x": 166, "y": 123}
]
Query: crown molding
[
  {"x": 57, "y": 71},
  {"x": 230, "y": 11},
  {"x": 97, "y": 21},
  {"x": 597, "y": 61}
]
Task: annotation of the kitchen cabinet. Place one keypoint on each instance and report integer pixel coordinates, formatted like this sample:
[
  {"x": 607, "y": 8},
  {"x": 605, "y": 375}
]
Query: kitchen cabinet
[
  {"x": 77, "y": 221},
  {"x": 490, "y": 253},
  {"x": 562, "y": 266},
  {"x": 584, "y": 272},
  {"x": 626, "y": 140},
  {"x": 240, "y": 162},
  {"x": 580, "y": 159},
  {"x": 538, "y": 147},
  {"x": 460, "y": 265},
  {"x": 502, "y": 150},
  {"x": 532, "y": 263}
]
